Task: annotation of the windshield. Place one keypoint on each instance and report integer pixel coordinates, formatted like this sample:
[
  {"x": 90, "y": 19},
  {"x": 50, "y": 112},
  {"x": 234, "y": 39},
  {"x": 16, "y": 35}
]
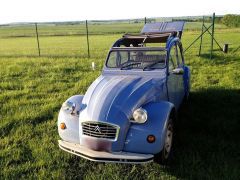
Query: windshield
[{"x": 147, "y": 59}]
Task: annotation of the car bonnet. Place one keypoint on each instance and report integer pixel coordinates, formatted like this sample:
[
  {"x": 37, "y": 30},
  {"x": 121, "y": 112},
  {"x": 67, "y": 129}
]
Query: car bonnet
[{"x": 112, "y": 99}]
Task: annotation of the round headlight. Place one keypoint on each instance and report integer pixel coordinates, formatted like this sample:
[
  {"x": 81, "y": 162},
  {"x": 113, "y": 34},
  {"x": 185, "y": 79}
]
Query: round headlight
[
  {"x": 139, "y": 115},
  {"x": 69, "y": 107}
]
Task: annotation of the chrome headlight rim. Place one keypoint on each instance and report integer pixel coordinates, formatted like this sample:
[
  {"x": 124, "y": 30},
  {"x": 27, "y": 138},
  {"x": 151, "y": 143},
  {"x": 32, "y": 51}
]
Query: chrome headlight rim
[
  {"x": 139, "y": 116},
  {"x": 69, "y": 107}
]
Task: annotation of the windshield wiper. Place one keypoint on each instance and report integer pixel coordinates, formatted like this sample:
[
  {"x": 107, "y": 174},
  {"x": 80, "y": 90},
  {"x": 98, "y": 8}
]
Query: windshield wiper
[
  {"x": 151, "y": 65},
  {"x": 129, "y": 64}
]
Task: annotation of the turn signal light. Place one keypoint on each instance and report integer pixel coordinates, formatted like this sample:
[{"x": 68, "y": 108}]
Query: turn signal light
[
  {"x": 151, "y": 138},
  {"x": 63, "y": 126}
]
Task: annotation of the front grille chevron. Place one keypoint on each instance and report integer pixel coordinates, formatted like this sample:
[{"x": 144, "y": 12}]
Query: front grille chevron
[{"x": 100, "y": 130}]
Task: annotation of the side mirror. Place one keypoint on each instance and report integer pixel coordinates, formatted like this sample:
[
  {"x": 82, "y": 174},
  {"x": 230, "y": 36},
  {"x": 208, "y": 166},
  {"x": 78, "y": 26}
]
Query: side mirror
[{"x": 178, "y": 71}]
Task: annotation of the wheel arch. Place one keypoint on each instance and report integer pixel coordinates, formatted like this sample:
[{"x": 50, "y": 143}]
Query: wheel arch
[{"x": 158, "y": 115}]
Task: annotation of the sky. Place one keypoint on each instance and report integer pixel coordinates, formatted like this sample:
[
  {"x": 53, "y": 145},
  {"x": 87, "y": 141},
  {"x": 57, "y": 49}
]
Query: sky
[{"x": 75, "y": 10}]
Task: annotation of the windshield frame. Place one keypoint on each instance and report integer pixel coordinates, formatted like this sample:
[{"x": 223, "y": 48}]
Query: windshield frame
[{"x": 115, "y": 49}]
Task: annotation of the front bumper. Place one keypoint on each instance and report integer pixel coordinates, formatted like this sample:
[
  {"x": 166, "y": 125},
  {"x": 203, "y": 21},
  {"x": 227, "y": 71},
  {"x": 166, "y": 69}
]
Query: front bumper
[{"x": 102, "y": 156}]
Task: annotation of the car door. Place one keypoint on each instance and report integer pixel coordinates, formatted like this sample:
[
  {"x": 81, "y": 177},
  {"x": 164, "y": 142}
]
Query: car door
[{"x": 175, "y": 76}]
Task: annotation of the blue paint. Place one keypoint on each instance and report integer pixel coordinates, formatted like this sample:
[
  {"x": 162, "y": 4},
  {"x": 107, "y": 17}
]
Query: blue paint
[
  {"x": 117, "y": 93},
  {"x": 136, "y": 140},
  {"x": 186, "y": 77}
]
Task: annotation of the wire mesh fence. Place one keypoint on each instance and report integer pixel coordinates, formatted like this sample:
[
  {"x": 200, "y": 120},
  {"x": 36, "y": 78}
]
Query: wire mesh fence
[
  {"x": 70, "y": 39},
  {"x": 58, "y": 39}
]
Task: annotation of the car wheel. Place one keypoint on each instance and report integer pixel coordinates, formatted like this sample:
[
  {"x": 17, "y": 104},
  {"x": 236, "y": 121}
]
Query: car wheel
[{"x": 165, "y": 155}]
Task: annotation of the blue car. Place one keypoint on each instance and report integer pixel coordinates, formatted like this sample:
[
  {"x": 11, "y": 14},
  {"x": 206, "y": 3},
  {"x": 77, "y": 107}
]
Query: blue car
[{"x": 127, "y": 114}]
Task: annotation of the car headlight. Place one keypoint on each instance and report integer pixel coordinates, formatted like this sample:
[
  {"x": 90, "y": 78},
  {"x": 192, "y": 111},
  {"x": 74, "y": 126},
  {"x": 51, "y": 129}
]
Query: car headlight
[
  {"x": 139, "y": 116},
  {"x": 69, "y": 107}
]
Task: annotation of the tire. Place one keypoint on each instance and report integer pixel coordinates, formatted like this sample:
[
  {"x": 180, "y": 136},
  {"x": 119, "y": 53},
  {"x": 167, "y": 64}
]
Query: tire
[{"x": 165, "y": 155}]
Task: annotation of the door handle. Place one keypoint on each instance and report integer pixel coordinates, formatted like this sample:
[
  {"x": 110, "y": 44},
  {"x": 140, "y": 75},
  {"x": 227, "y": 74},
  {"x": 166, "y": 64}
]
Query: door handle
[{"x": 178, "y": 71}]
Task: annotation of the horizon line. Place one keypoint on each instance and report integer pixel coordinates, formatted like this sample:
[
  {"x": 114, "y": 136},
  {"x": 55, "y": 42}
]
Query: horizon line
[{"x": 106, "y": 20}]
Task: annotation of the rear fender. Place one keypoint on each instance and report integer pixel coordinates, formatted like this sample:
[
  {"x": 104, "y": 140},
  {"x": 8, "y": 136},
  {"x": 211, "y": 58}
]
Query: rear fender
[{"x": 158, "y": 114}]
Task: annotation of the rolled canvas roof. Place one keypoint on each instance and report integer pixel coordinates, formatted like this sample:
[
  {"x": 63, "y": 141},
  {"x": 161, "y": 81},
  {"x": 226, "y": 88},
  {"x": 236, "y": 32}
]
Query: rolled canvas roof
[
  {"x": 153, "y": 33},
  {"x": 150, "y": 38}
]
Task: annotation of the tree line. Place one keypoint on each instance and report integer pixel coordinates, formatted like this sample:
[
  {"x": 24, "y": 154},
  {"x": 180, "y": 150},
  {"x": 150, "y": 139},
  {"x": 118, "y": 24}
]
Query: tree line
[{"x": 231, "y": 20}]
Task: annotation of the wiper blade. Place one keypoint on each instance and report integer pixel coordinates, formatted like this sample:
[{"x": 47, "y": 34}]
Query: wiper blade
[
  {"x": 151, "y": 65},
  {"x": 129, "y": 64}
]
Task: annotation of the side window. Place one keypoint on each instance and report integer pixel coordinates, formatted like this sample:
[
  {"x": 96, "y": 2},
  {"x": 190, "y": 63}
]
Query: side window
[
  {"x": 173, "y": 58},
  {"x": 112, "y": 60}
]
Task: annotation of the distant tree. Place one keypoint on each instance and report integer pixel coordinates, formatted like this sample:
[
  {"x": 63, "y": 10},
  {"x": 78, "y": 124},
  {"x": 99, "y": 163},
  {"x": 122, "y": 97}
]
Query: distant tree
[
  {"x": 136, "y": 21},
  {"x": 151, "y": 20},
  {"x": 218, "y": 20},
  {"x": 231, "y": 20}
]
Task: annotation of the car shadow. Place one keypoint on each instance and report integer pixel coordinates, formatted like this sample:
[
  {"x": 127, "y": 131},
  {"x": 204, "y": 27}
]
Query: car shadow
[
  {"x": 206, "y": 145},
  {"x": 207, "y": 142}
]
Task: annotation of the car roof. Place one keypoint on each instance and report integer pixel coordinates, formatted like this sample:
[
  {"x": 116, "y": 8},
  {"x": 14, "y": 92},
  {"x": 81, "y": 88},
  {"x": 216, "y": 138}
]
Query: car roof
[
  {"x": 161, "y": 32},
  {"x": 163, "y": 27},
  {"x": 148, "y": 38}
]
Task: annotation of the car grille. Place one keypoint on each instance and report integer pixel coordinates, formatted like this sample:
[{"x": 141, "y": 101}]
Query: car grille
[{"x": 100, "y": 130}]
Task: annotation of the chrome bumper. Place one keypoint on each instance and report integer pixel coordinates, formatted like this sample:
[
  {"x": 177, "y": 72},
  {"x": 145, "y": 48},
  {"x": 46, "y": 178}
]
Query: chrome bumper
[{"x": 101, "y": 156}]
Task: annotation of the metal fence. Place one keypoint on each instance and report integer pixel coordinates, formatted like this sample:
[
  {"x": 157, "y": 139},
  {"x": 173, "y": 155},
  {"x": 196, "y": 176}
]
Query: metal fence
[
  {"x": 78, "y": 39},
  {"x": 61, "y": 39}
]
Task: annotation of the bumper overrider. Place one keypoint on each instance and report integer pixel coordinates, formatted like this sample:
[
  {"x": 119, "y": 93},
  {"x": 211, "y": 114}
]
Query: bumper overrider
[{"x": 102, "y": 156}]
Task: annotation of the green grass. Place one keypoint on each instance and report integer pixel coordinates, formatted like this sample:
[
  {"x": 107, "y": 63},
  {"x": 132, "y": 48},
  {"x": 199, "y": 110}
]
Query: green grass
[
  {"x": 58, "y": 46},
  {"x": 28, "y": 30},
  {"x": 32, "y": 90}
]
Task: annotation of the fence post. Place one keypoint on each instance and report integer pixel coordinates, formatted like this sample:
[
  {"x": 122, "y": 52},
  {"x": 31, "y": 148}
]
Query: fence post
[
  {"x": 39, "y": 54},
  {"x": 87, "y": 39},
  {"x": 213, "y": 21},
  {"x": 200, "y": 47}
]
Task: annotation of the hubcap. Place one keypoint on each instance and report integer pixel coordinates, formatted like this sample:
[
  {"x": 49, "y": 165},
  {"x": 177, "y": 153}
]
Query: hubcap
[{"x": 168, "y": 140}]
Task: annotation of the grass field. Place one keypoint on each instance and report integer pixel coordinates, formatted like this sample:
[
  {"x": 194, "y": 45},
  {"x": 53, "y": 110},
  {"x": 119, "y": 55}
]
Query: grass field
[
  {"x": 32, "y": 90},
  {"x": 28, "y": 30}
]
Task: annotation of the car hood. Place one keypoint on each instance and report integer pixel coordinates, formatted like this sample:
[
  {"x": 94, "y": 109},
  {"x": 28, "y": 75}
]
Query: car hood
[
  {"x": 109, "y": 95},
  {"x": 112, "y": 99}
]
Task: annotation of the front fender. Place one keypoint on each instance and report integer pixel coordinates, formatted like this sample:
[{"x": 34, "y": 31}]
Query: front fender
[
  {"x": 158, "y": 114},
  {"x": 71, "y": 133}
]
